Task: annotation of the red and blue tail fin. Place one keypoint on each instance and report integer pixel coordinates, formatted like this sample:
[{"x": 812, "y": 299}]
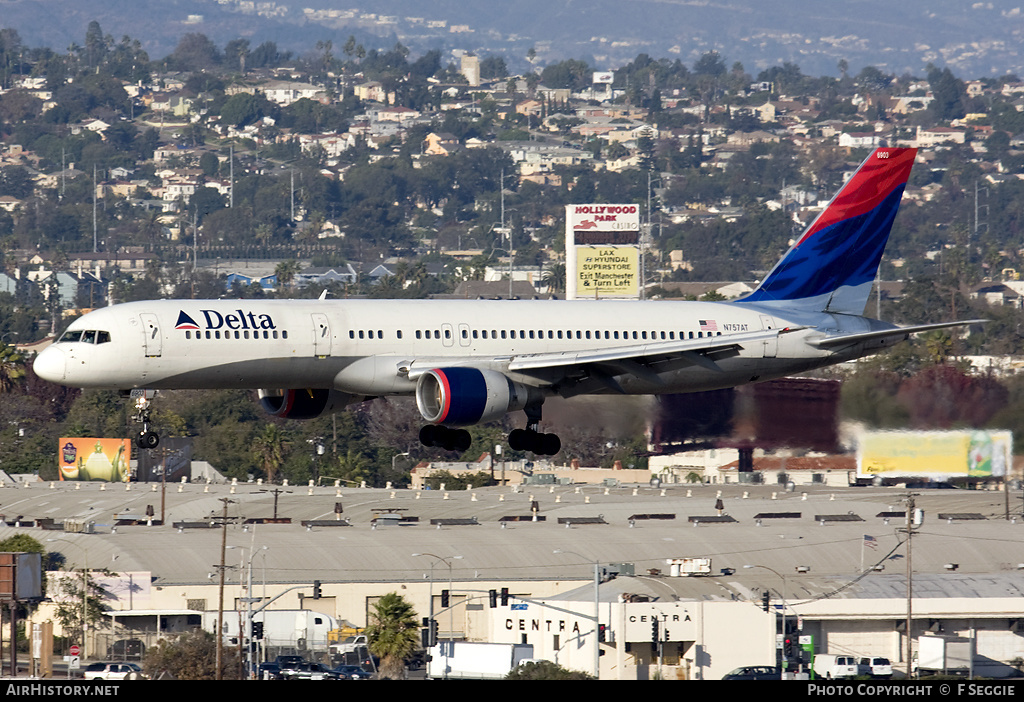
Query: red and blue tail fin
[{"x": 832, "y": 266}]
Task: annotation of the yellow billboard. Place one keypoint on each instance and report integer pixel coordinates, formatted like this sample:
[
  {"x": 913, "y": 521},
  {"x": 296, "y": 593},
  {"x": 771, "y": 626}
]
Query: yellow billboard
[
  {"x": 94, "y": 459},
  {"x": 935, "y": 454},
  {"x": 607, "y": 271}
]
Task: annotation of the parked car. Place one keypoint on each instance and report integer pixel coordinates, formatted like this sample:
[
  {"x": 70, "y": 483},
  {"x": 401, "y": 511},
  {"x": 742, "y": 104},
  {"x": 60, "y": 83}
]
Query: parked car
[
  {"x": 289, "y": 662},
  {"x": 310, "y": 671},
  {"x": 352, "y": 672},
  {"x": 875, "y": 666},
  {"x": 113, "y": 671},
  {"x": 754, "y": 672}
]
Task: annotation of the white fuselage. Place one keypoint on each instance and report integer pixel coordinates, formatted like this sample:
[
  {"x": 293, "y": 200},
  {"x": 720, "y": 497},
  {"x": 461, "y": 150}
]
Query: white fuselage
[{"x": 375, "y": 347}]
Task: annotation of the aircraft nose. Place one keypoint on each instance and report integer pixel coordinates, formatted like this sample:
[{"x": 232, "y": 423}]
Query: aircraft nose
[{"x": 50, "y": 364}]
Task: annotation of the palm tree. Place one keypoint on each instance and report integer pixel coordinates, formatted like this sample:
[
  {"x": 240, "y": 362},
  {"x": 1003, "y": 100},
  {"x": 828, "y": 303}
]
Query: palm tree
[
  {"x": 286, "y": 272},
  {"x": 393, "y": 634},
  {"x": 554, "y": 276},
  {"x": 268, "y": 450}
]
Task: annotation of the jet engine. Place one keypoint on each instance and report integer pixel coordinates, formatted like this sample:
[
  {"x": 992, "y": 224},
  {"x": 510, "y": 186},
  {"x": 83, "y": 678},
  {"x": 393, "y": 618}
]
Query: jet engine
[
  {"x": 465, "y": 396},
  {"x": 305, "y": 404}
]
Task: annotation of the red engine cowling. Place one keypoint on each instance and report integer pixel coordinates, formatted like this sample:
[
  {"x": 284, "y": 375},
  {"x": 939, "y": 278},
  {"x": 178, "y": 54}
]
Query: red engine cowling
[
  {"x": 465, "y": 396},
  {"x": 304, "y": 404}
]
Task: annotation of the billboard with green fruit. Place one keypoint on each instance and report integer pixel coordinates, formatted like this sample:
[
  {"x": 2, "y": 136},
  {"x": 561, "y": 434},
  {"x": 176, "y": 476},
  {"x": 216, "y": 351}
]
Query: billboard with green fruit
[{"x": 95, "y": 459}]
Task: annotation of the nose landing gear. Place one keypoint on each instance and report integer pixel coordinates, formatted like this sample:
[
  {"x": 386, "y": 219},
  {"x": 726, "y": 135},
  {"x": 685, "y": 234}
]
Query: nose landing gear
[{"x": 146, "y": 439}]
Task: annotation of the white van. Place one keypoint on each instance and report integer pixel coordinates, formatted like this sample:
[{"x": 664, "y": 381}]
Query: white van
[
  {"x": 833, "y": 667},
  {"x": 875, "y": 666}
]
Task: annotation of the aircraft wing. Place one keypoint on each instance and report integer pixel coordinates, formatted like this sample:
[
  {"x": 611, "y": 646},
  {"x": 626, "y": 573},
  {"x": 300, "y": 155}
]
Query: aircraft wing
[
  {"x": 641, "y": 360},
  {"x": 831, "y": 342}
]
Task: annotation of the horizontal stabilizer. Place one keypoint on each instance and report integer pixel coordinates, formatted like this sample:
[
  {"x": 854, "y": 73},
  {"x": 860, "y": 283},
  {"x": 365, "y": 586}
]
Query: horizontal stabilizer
[{"x": 829, "y": 342}]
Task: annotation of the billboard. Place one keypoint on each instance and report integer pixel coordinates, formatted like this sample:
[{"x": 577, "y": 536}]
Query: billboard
[
  {"x": 603, "y": 78},
  {"x": 94, "y": 459},
  {"x": 602, "y": 245},
  {"x": 607, "y": 271},
  {"x": 935, "y": 454}
]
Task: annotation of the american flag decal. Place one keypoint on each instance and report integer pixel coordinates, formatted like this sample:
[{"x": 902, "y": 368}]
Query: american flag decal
[{"x": 707, "y": 325}]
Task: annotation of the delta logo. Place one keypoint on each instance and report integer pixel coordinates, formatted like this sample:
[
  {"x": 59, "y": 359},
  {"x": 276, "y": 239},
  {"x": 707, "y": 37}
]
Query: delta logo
[
  {"x": 239, "y": 319},
  {"x": 185, "y": 322}
]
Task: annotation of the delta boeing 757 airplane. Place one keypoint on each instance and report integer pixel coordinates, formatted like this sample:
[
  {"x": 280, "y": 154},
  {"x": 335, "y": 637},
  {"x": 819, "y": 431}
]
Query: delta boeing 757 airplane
[{"x": 472, "y": 361}]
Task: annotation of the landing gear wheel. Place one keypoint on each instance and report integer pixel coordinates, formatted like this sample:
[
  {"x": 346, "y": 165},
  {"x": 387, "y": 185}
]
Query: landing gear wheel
[
  {"x": 519, "y": 440},
  {"x": 529, "y": 440},
  {"x": 147, "y": 440},
  {"x": 449, "y": 439},
  {"x": 428, "y": 434},
  {"x": 550, "y": 444}
]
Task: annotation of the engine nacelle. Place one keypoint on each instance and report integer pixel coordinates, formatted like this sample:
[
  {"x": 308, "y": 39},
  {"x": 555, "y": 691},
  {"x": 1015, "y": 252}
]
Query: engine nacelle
[
  {"x": 304, "y": 404},
  {"x": 465, "y": 396}
]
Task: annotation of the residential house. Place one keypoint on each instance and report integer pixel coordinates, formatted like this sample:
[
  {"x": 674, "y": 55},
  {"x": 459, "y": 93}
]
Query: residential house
[
  {"x": 860, "y": 140},
  {"x": 285, "y": 93},
  {"x": 938, "y": 136}
]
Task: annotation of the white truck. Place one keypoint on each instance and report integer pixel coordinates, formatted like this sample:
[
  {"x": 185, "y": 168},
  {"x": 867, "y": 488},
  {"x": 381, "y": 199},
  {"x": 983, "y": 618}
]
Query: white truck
[
  {"x": 283, "y": 629},
  {"x": 464, "y": 660},
  {"x": 349, "y": 644},
  {"x": 942, "y": 654}
]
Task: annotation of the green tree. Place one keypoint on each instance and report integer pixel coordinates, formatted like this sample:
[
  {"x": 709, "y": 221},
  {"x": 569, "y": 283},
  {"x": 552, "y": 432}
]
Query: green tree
[
  {"x": 79, "y": 604},
  {"x": 393, "y": 634},
  {"x": 12, "y": 368},
  {"x": 269, "y": 450},
  {"x": 546, "y": 670},
  {"x": 190, "y": 656},
  {"x": 286, "y": 272}
]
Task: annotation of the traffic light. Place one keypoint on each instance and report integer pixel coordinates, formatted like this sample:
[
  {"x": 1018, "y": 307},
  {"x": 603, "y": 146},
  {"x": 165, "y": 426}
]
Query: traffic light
[
  {"x": 654, "y": 631},
  {"x": 257, "y": 630},
  {"x": 445, "y": 599},
  {"x": 316, "y": 590},
  {"x": 766, "y": 600},
  {"x": 433, "y": 632},
  {"x": 504, "y": 597},
  {"x": 787, "y": 647},
  {"x": 492, "y": 596},
  {"x": 602, "y": 632},
  {"x": 425, "y": 633}
]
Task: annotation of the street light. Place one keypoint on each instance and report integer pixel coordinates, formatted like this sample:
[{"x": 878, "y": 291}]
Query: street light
[
  {"x": 395, "y": 458},
  {"x": 783, "y": 578},
  {"x": 451, "y": 617},
  {"x": 246, "y": 564},
  {"x": 597, "y": 609}
]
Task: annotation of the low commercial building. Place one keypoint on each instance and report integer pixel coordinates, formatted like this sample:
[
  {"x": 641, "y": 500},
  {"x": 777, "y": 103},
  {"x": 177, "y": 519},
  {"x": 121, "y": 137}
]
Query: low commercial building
[{"x": 722, "y": 569}]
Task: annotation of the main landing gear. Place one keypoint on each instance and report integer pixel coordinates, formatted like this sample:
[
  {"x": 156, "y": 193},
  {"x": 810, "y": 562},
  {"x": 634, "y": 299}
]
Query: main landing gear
[
  {"x": 528, "y": 439},
  {"x": 146, "y": 439},
  {"x": 443, "y": 437}
]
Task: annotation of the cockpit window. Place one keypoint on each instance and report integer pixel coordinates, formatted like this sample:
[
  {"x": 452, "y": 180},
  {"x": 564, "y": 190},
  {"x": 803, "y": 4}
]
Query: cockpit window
[{"x": 90, "y": 336}]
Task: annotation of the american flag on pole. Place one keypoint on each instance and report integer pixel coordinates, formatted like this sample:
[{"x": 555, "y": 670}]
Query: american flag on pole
[
  {"x": 707, "y": 325},
  {"x": 870, "y": 541}
]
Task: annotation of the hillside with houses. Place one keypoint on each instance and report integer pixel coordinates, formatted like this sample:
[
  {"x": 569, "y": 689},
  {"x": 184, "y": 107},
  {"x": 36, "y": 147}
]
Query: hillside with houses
[{"x": 246, "y": 171}]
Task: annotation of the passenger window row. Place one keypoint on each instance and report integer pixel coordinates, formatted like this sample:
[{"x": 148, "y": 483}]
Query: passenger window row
[
  {"x": 540, "y": 334},
  {"x": 243, "y": 334}
]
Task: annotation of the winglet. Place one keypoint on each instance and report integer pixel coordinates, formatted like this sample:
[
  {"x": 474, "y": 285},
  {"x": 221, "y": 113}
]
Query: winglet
[{"x": 833, "y": 264}]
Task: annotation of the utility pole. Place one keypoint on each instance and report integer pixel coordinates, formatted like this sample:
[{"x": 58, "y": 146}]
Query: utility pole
[
  {"x": 220, "y": 596},
  {"x": 912, "y": 521}
]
